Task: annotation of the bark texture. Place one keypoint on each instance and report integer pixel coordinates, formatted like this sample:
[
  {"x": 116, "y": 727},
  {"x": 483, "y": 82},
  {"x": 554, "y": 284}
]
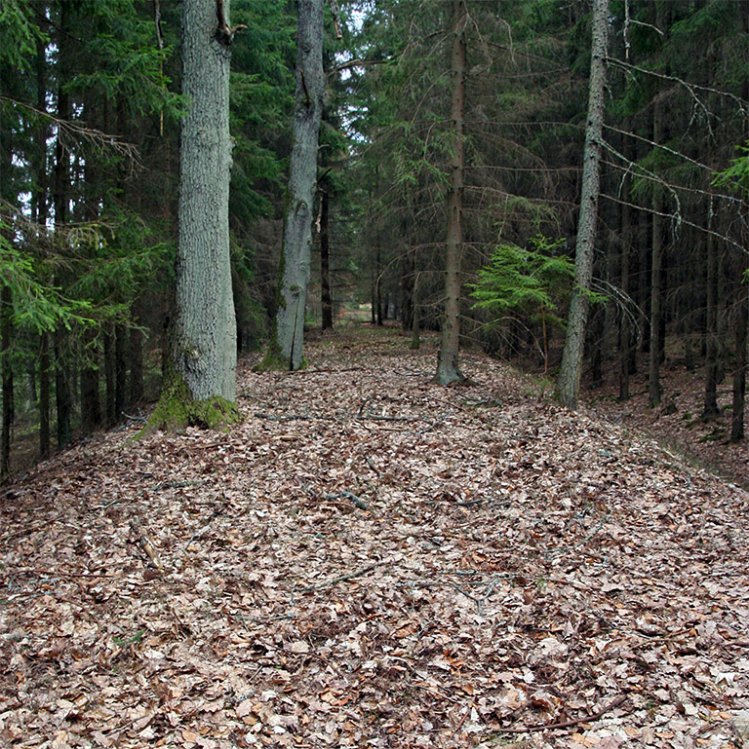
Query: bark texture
[
  {"x": 6, "y": 337},
  {"x": 297, "y": 233},
  {"x": 568, "y": 384},
  {"x": 205, "y": 352},
  {"x": 448, "y": 366},
  {"x": 326, "y": 298}
]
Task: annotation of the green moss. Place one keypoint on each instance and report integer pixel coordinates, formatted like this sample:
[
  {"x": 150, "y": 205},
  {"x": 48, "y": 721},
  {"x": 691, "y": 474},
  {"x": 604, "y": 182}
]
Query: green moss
[{"x": 177, "y": 409}]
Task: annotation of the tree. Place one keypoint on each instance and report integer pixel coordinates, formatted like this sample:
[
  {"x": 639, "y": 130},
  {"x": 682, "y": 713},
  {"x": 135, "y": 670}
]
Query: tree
[
  {"x": 287, "y": 349},
  {"x": 568, "y": 384},
  {"x": 204, "y": 346},
  {"x": 448, "y": 366}
]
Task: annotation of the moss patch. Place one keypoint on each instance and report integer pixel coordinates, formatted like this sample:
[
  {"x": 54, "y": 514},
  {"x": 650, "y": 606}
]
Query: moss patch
[{"x": 177, "y": 409}]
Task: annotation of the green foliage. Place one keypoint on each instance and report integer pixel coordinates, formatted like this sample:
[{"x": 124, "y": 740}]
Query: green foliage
[
  {"x": 735, "y": 176},
  {"x": 37, "y": 306},
  {"x": 532, "y": 280},
  {"x": 18, "y": 34}
]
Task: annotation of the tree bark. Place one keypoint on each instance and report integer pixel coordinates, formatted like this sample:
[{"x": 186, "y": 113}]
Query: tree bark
[
  {"x": 109, "y": 378},
  {"x": 326, "y": 300},
  {"x": 739, "y": 375},
  {"x": 44, "y": 396},
  {"x": 205, "y": 349},
  {"x": 41, "y": 214},
  {"x": 63, "y": 395},
  {"x": 6, "y": 336},
  {"x": 297, "y": 235},
  {"x": 448, "y": 366},
  {"x": 136, "y": 386},
  {"x": 120, "y": 371},
  {"x": 710, "y": 402},
  {"x": 570, "y": 374},
  {"x": 91, "y": 416},
  {"x": 625, "y": 330}
]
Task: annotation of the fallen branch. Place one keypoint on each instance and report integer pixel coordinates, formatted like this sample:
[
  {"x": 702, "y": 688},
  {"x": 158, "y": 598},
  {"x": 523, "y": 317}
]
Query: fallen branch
[
  {"x": 294, "y": 417},
  {"x": 360, "y": 503},
  {"x": 567, "y": 723},
  {"x": 146, "y": 545},
  {"x": 344, "y": 578}
]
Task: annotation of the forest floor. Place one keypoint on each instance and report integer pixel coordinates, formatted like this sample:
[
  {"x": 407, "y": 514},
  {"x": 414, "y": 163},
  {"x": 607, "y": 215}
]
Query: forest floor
[
  {"x": 677, "y": 422},
  {"x": 370, "y": 560}
]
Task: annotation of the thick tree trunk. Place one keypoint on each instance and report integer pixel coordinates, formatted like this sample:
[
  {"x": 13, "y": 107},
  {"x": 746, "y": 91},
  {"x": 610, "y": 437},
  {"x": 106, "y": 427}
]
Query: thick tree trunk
[
  {"x": 326, "y": 300},
  {"x": 448, "y": 366},
  {"x": 570, "y": 374},
  {"x": 297, "y": 235},
  {"x": 205, "y": 349}
]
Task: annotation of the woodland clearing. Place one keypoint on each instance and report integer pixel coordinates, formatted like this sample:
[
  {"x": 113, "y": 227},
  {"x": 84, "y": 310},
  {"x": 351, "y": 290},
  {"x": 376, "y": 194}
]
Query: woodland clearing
[{"x": 371, "y": 560}]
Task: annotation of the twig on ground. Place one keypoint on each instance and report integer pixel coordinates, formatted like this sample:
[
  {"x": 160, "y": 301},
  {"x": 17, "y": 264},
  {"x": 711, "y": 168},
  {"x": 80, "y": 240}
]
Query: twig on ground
[
  {"x": 344, "y": 578},
  {"x": 358, "y": 501},
  {"x": 566, "y": 723},
  {"x": 146, "y": 545}
]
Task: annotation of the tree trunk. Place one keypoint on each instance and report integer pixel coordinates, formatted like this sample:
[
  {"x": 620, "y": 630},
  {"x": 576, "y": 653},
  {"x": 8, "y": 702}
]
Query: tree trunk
[
  {"x": 416, "y": 312},
  {"x": 205, "y": 348},
  {"x": 41, "y": 214},
  {"x": 91, "y": 417},
  {"x": 625, "y": 330},
  {"x": 135, "y": 356},
  {"x": 326, "y": 300},
  {"x": 742, "y": 323},
  {"x": 710, "y": 405},
  {"x": 656, "y": 291},
  {"x": 63, "y": 396},
  {"x": 297, "y": 234},
  {"x": 739, "y": 375},
  {"x": 109, "y": 378},
  {"x": 120, "y": 370},
  {"x": 6, "y": 336},
  {"x": 570, "y": 374},
  {"x": 44, "y": 396},
  {"x": 448, "y": 367}
]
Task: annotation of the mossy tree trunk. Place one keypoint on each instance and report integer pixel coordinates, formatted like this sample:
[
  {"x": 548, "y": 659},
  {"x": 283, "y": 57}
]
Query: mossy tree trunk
[
  {"x": 204, "y": 345},
  {"x": 297, "y": 231}
]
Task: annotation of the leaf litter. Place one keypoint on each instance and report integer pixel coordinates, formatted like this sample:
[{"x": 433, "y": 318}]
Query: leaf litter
[{"x": 371, "y": 560}]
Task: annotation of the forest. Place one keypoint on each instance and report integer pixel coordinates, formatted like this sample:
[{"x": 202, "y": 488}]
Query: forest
[
  {"x": 442, "y": 188},
  {"x": 373, "y": 373}
]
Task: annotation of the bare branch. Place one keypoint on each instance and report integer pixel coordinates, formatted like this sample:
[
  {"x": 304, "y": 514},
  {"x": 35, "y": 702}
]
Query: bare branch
[
  {"x": 682, "y": 220},
  {"x": 79, "y": 130},
  {"x": 691, "y": 88}
]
